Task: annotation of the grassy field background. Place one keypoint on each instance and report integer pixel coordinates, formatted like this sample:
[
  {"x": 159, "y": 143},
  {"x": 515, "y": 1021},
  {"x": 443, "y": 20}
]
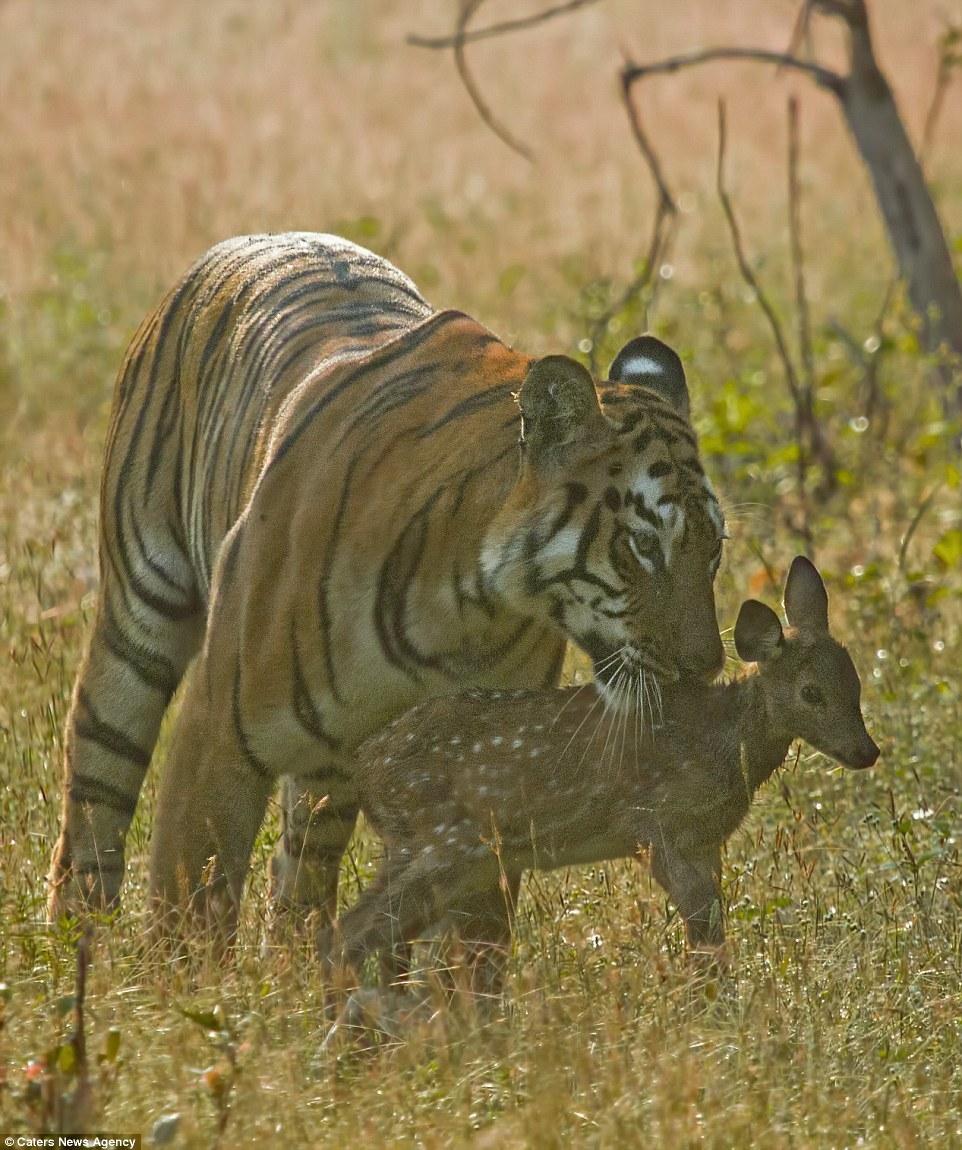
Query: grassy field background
[{"x": 134, "y": 136}]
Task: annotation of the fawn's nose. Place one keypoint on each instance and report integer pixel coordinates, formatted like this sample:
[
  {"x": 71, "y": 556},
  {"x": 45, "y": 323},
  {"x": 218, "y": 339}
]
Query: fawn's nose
[{"x": 865, "y": 755}]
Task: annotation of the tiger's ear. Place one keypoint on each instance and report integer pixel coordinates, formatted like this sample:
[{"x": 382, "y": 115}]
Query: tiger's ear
[
  {"x": 559, "y": 408},
  {"x": 647, "y": 362}
]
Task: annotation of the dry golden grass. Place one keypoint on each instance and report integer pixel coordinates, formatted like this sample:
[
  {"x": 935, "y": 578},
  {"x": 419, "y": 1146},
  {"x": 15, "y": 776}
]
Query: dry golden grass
[{"x": 131, "y": 137}]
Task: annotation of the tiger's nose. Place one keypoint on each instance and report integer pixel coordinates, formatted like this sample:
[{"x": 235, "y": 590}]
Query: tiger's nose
[{"x": 706, "y": 661}]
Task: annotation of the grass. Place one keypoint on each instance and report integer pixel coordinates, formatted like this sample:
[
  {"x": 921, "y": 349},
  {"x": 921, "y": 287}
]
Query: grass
[{"x": 124, "y": 150}]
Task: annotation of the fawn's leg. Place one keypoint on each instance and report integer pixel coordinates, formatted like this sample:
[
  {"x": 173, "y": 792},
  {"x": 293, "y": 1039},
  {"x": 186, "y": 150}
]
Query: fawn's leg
[
  {"x": 411, "y": 898},
  {"x": 212, "y": 802},
  {"x": 482, "y": 924},
  {"x": 341, "y": 943},
  {"x": 693, "y": 883}
]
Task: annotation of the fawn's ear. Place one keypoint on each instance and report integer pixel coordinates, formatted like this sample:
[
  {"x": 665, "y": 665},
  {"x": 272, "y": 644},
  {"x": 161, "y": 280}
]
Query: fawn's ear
[
  {"x": 806, "y": 600},
  {"x": 559, "y": 408},
  {"x": 758, "y": 632},
  {"x": 647, "y": 362}
]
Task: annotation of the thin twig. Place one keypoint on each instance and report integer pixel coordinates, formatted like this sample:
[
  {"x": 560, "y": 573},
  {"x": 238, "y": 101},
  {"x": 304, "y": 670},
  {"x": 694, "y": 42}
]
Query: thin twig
[
  {"x": 468, "y": 10},
  {"x": 798, "y": 265},
  {"x": 853, "y": 12},
  {"x": 948, "y": 62},
  {"x": 913, "y": 526},
  {"x": 504, "y": 28},
  {"x": 662, "y": 229},
  {"x": 811, "y": 427},
  {"x": 825, "y": 77},
  {"x": 774, "y": 323},
  {"x": 747, "y": 273},
  {"x": 801, "y": 31}
]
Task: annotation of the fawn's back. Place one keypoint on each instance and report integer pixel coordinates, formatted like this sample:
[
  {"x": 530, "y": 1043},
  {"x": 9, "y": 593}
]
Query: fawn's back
[
  {"x": 555, "y": 772},
  {"x": 552, "y": 771}
]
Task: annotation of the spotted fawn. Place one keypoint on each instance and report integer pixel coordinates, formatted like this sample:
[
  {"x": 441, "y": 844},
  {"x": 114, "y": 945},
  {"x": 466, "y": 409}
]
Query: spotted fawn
[{"x": 466, "y": 788}]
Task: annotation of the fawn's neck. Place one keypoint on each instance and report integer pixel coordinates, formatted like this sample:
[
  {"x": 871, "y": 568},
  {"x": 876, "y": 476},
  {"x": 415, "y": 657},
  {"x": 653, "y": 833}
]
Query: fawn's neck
[{"x": 762, "y": 743}]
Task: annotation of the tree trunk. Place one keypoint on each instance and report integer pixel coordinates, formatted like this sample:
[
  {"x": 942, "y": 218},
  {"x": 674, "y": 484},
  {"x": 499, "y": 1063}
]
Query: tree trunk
[{"x": 914, "y": 229}]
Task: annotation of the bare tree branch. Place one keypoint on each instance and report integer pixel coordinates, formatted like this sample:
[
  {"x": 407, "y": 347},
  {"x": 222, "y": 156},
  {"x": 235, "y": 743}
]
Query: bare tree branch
[
  {"x": 468, "y": 10},
  {"x": 747, "y": 272},
  {"x": 504, "y": 28},
  {"x": 949, "y": 61},
  {"x": 811, "y": 427},
  {"x": 801, "y": 31},
  {"x": 803, "y": 316},
  {"x": 774, "y": 323},
  {"x": 662, "y": 229},
  {"x": 825, "y": 77}
]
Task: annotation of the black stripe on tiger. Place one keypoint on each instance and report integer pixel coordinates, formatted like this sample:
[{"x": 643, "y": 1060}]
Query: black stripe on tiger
[
  {"x": 91, "y": 727},
  {"x": 305, "y": 710},
  {"x": 91, "y": 792},
  {"x": 379, "y": 360},
  {"x": 257, "y": 766},
  {"x": 394, "y": 580},
  {"x": 149, "y": 666}
]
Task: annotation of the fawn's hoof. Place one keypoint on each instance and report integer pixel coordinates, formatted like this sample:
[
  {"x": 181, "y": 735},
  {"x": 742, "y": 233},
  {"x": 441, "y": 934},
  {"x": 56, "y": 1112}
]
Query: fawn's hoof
[{"x": 370, "y": 1017}]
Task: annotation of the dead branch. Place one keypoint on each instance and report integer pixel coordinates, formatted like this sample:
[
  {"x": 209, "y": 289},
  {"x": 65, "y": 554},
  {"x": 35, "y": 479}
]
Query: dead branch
[
  {"x": 824, "y": 77},
  {"x": 911, "y": 220},
  {"x": 774, "y": 323},
  {"x": 506, "y": 27},
  {"x": 798, "y": 266},
  {"x": 468, "y": 9},
  {"x": 745, "y": 268},
  {"x": 819, "y": 445},
  {"x": 949, "y": 61},
  {"x": 920, "y": 512},
  {"x": 662, "y": 230}
]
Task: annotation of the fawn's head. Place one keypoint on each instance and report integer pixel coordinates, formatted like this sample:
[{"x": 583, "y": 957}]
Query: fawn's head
[{"x": 811, "y": 687}]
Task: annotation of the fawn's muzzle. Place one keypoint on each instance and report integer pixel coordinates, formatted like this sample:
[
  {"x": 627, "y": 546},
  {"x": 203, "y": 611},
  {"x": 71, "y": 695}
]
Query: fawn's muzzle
[{"x": 864, "y": 755}]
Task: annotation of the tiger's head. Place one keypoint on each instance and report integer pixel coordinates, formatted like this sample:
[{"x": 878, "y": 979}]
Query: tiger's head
[{"x": 612, "y": 530}]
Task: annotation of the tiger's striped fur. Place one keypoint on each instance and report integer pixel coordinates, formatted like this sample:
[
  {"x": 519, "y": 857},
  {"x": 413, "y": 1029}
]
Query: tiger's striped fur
[{"x": 313, "y": 484}]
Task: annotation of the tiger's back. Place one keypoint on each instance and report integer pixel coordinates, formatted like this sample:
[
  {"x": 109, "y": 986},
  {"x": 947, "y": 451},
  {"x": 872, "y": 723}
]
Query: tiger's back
[{"x": 206, "y": 374}]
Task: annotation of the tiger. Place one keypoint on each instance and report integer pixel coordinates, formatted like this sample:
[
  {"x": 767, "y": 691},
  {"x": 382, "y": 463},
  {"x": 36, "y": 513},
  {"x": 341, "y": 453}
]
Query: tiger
[{"x": 330, "y": 500}]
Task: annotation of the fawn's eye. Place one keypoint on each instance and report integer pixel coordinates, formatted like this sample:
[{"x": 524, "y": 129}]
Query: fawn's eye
[{"x": 812, "y": 695}]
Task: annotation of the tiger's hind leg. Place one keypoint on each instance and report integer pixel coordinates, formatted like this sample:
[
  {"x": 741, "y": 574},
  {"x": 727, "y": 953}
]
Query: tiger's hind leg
[
  {"x": 136, "y": 657},
  {"x": 213, "y": 798}
]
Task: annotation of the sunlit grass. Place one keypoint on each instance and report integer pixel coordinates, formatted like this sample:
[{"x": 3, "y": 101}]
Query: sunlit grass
[{"x": 125, "y": 152}]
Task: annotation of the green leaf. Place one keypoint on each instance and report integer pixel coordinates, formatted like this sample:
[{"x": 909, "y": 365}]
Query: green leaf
[
  {"x": 205, "y": 1019},
  {"x": 948, "y": 550},
  {"x": 112, "y": 1045},
  {"x": 65, "y": 1004},
  {"x": 66, "y": 1059},
  {"x": 510, "y": 278}
]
